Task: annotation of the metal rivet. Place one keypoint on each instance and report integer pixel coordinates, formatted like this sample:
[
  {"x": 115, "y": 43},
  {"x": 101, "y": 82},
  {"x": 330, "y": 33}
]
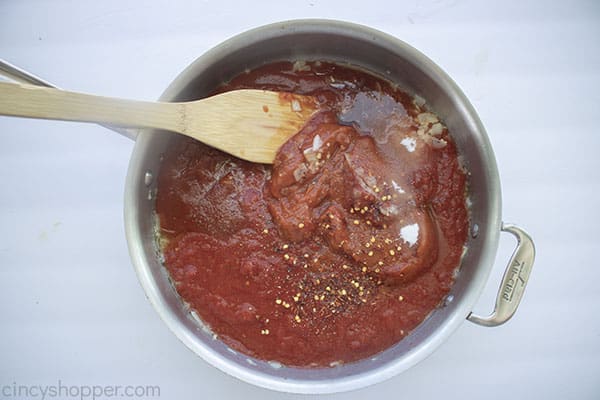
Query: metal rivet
[
  {"x": 148, "y": 178},
  {"x": 475, "y": 231}
]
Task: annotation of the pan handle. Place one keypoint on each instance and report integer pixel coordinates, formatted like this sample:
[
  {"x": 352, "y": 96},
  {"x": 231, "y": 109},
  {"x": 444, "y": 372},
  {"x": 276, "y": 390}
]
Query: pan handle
[
  {"x": 17, "y": 74},
  {"x": 514, "y": 280}
]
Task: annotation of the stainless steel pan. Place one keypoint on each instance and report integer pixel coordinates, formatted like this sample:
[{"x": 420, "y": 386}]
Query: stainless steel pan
[{"x": 394, "y": 60}]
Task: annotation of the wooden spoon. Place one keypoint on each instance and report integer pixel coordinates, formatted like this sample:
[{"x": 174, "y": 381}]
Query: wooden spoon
[{"x": 249, "y": 124}]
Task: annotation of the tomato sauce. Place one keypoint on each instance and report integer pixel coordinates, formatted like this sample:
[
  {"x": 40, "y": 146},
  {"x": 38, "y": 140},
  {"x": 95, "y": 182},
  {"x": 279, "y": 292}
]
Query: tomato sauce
[{"x": 339, "y": 249}]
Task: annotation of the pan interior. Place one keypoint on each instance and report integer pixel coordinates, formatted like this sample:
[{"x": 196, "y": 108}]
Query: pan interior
[{"x": 360, "y": 47}]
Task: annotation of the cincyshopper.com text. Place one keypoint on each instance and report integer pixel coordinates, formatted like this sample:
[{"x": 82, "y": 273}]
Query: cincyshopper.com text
[{"x": 61, "y": 390}]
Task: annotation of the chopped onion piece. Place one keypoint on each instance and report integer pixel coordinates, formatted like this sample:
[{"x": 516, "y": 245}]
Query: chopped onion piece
[
  {"x": 300, "y": 172},
  {"x": 300, "y": 65},
  {"x": 296, "y": 105},
  {"x": 438, "y": 143},
  {"x": 310, "y": 155},
  {"x": 317, "y": 143},
  {"x": 436, "y": 129},
  {"x": 418, "y": 100},
  {"x": 427, "y": 118}
]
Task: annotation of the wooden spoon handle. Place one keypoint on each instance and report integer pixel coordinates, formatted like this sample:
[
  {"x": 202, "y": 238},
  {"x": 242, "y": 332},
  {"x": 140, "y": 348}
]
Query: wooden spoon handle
[
  {"x": 23, "y": 100},
  {"x": 250, "y": 124}
]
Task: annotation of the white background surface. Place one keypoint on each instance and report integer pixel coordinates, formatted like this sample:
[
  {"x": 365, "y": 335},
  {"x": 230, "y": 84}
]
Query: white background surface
[{"x": 71, "y": 308}]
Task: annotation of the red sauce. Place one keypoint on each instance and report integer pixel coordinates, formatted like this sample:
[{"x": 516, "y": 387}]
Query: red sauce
[{"x": 338, "y": 250}]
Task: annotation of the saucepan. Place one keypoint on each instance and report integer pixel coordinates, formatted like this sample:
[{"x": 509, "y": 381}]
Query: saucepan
[{"x": 393, "y": 60}]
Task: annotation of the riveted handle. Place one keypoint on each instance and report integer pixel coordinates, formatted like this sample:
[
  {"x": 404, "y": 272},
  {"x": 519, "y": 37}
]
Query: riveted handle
[{"x": 514, "y": 280}]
